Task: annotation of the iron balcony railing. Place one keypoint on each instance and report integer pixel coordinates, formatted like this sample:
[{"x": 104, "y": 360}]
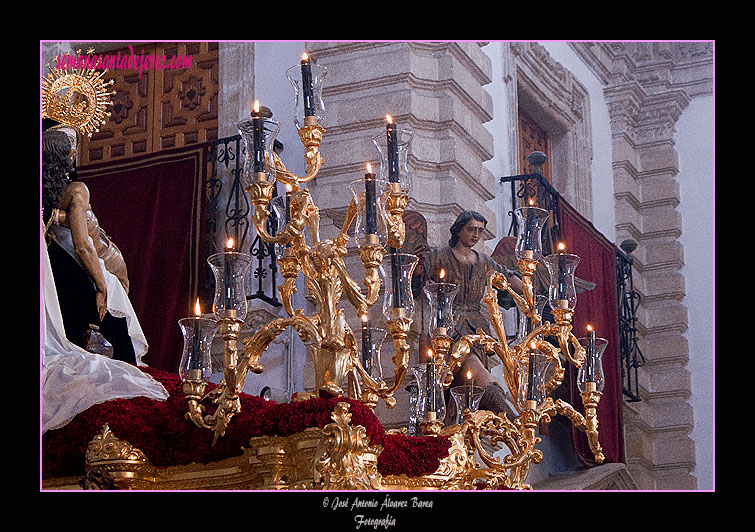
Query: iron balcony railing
[{"x": 225, "y": 162}]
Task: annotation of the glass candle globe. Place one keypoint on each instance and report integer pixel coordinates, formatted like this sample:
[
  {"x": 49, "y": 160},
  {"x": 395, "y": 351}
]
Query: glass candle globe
[
  {"x": 229, "y": 269},
  {"x": 258, "y": 134},
  {"x": 394, "y": 163},
  {"x": 562, "y": 293},
  {"x": 533, "y": 369},
  {"x": 370, "y": 342},
  {"x": 307, "y": 80},
  {"x": 530, "y": 221},
  {"x": 591, "y": 371},
  {"x": 397, "y": 270},
  {"x": 196, "y": 359},
  {"x": 370, "y": 195},
  {"x": 467, "y": 397},
  {"x": 431, "y": 405},
  {"x": 441, "y": 296}
]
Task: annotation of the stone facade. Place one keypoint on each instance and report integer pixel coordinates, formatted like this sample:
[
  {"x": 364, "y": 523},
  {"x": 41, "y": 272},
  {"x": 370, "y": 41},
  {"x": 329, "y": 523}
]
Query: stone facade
[{"x": 647, "y": 86}]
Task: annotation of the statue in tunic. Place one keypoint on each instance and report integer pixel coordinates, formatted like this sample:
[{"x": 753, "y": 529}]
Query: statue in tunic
[{"x": 468, "y": 269}]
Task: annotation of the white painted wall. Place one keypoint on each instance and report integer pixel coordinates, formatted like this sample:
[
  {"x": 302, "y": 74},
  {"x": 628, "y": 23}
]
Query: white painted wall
[{"x": 695, "y": 144}]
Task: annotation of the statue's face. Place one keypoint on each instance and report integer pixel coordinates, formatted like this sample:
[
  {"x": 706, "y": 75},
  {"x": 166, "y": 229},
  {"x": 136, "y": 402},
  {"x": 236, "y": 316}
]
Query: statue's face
[{"x": 471, "y": 233}]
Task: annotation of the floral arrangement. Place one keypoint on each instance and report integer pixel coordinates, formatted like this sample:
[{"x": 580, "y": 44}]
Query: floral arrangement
[{"x": 159, "y": 429}]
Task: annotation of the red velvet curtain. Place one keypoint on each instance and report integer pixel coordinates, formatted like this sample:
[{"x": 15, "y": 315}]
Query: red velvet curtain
[
  {"x": 599, "y": 308},
  {"x": 152, "y": 208}
]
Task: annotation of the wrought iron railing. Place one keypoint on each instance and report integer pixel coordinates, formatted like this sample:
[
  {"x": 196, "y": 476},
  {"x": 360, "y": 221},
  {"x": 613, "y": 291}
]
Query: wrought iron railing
[
  {"x": 534, "y": 185},
  {"x": 628, "y": 301},
  {"x": 225, "y": 162}
]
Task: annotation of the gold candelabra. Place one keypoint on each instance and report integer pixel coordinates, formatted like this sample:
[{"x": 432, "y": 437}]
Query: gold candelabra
[
  {"x": 532, "y": 365},
  {"x": 330, "y": 341}
]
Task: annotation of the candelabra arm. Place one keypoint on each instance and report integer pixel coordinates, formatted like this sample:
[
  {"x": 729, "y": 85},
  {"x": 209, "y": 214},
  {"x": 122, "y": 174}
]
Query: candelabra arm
[
  {"x": 351, "y": 214},
  {"x": 399, "y": 326},
  {"x": 311, "y": 137},
  {"x": 395, "y": 206},
  {"x": 194, "y": 391},
  {"x": 372, "y": 256},
  {"x": 518, "y": 436},
  {"x": 587, "y": 423}
]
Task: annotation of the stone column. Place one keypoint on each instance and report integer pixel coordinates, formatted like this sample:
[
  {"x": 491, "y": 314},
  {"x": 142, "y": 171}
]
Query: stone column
[{"x": 660, "y": 453}]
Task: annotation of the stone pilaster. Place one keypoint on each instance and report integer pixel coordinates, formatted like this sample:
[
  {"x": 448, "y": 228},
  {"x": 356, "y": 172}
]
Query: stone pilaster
[{"x": 660, "y": 453}]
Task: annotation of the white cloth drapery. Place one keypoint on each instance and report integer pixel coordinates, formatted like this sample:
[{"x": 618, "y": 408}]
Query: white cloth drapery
[{"x": 73, "y": 379}]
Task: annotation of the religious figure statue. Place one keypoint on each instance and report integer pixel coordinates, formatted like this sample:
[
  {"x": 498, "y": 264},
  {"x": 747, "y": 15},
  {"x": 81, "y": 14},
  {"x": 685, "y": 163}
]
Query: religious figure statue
[
  {"x": 82, "y": 256},
  {"x": 468, "y": 269}
]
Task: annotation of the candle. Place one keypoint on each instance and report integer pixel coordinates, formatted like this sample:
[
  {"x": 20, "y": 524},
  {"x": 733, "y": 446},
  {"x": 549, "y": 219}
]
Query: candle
[
  {"x": 366, "y": 344},
  {"x": 532, "y": 373},
  {"x": 306, "y": 83},
  {"x": 195, "y": 338},
  {"x": 529, "y": 230},
  {"x": 289, "y": 189},
  {"x": 369, "y": 201},
  {"x": 441, "y": 330},
  {"x": 590, "y": 373},
  {"x": 396, "y": 278},
  {"x": 390, "y": 129},
  {"x": 228, "y": 274},
  {"x": 561, "y": 291},
  {"x": 471, "y": 388},
  {"x": 259, "y": 139},
  {"x": 431, "y": 381}
]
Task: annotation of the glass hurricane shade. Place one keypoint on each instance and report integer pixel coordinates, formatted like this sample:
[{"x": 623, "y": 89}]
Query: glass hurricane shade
[
  {"x": 530, "y": 221},
  {"x": 370, "y": 222},
  {"x": 430, "y": 399},
  {"x": 259, "y": 140},
  {"x": 592, "y": 368},
  {"x": 403, "y": 148},
  {"x": 562, "y": 292},
  {"x": 467, "y": 397},
  {"x": 396, "y": 270},
  {"x": 440, "y": 297},
  {"x": 370, "y": 342},
  {"x": 533, "y": 369},
  {"x": 308, "y": 103},
  {"x": 196, "y": 360},
  {"x": 229, "y": 269}
]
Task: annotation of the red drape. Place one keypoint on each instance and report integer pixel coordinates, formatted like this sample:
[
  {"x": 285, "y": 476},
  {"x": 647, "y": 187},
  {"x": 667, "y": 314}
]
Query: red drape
[
  {"x": 597, "y": 307},
  {"x": 151, "y": 206}
]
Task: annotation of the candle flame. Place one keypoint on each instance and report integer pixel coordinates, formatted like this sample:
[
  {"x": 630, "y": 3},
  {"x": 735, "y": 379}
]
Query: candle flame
[
  {"x": 533, "y": 344},
  {"x": 589, "y": 328},
  {"x": 369, "y": 168},
  {"x": 229, "y": 243},
  {"x": 289, "y": 188},
  {"x": 305, "y": 56},
  {"x": 197, "y": 309},
  {"x": 469, "y": 375},
  {"x": 389, "y": 119},
  {"x": 364, "y": 318},
  {"x": 532, "y": 202},
  {"x": 561, "y": 246},
  {"x": 256, "y": 106},
  {"x": 442, "y": 273},
  {"x": 430, "y": 354}
]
